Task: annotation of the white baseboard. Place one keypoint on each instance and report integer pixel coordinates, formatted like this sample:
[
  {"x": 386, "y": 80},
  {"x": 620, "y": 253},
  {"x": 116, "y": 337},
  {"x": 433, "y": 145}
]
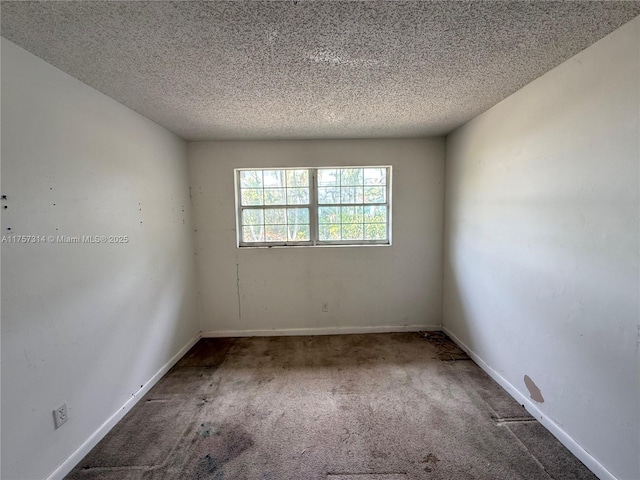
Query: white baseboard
[
  {"x": 591, "y": 463},
  {"x": 289, "y": 332},
  {"x": 75, "y": 458}
]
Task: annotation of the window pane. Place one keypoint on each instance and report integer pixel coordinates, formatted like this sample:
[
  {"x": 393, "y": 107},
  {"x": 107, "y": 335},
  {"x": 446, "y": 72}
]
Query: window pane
[
  {"x": 328, "y": 177},
  {"x": 351, "y": 195},
  {"x": 298, "y": 233},
  {"x": 374, "y": 214},
  {"x": 374, "y": 194},
  {"x": 275, "y": 233},
  {"x": 375, "y": 176},
  {"x": 274, "y": 196},
  {"x": 253, "y": 234},
  {"x": 297, "y": 196},
  {"x": 329, "y": 232},
  {"x": 273, "y": 178},
  {"x": 351, "y": 215},
  {"x": 351, "y": 176},
  {"x": 328, "y": 195},
  {"x": 351, "y": 205},
  {"x": 297, "y": 215},
  {"x": 375, "y": 231},
  {"x": 328, "y": 214},
  {"x": 252, "y": 217},
  {"x": 352, "y": 231},
  {"x": 276, "y": 216},
  {"x": 251, "y": 178},
  {"x": 252, "y": 197},
  {"x": 297, "y": 178}
]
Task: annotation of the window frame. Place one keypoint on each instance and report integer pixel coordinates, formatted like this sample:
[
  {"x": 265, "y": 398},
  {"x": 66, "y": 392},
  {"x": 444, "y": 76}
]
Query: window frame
[{"x": 313, "y": 207}]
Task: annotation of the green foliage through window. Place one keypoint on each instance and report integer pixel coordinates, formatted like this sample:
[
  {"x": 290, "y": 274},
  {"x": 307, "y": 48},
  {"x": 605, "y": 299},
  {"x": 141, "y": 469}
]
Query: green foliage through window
[{"x": 307, "y": 206}]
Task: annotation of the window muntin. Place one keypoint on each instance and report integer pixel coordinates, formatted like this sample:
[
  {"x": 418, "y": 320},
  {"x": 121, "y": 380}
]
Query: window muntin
[{"x": 313, "y": 206}]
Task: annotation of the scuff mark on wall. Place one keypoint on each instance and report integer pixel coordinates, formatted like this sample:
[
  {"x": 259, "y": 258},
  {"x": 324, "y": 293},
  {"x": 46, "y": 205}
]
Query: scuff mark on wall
[
  {"x": 534, "y": 391},
  {"x": 238, "y": 288}
]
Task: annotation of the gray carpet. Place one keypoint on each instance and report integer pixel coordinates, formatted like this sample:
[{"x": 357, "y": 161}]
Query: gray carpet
[{"x": 350, "y": 407}]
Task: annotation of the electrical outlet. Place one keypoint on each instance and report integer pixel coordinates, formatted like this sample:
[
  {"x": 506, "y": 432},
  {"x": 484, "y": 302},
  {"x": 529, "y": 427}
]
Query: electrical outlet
[
  {"x": 325, "y": 306},
  {"x": 60, "y": 415}
]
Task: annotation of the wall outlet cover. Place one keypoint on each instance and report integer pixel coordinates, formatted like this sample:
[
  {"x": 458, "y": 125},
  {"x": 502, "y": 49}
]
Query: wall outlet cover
[{"x": 60, "y": 415}]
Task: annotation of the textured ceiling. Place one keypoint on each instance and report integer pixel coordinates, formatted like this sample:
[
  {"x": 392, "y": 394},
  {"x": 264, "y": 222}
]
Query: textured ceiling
[{"x": 297, "y": 69}]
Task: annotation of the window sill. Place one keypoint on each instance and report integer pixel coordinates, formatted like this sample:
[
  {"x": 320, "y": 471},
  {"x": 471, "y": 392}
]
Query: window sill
[{"x": 335, "y": 245}]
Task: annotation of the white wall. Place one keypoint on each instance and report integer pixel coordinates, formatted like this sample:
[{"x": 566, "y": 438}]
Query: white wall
[
  {"x": 85, "y": 323},
  {"x": 541, "y": 257},
  {"x": 368, "y": 288}
]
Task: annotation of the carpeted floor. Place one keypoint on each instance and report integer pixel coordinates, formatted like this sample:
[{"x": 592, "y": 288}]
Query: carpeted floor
[{"x": 349, "y": 407}]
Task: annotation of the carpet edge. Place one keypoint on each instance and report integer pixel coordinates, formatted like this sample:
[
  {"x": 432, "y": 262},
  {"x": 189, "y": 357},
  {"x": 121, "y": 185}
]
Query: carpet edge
[{"x": 563, "y": 437}]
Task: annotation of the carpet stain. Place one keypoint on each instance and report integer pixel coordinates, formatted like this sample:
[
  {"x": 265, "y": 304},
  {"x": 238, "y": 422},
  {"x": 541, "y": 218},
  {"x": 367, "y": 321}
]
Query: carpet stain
[
  {"x": 234, "y": 440},
  {"x": 431, "y": 460},
  {"x": 379, "y": 455},
  {"x": 223, "y": 443},
  {"x": 208, "y": 429},
  {"x": 446, "y": 350},
  {"x": 210, "y": 465}
]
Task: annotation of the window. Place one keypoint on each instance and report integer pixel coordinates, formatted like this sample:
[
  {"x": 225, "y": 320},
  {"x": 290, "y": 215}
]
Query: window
[{"x": 314, "y": 206}]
